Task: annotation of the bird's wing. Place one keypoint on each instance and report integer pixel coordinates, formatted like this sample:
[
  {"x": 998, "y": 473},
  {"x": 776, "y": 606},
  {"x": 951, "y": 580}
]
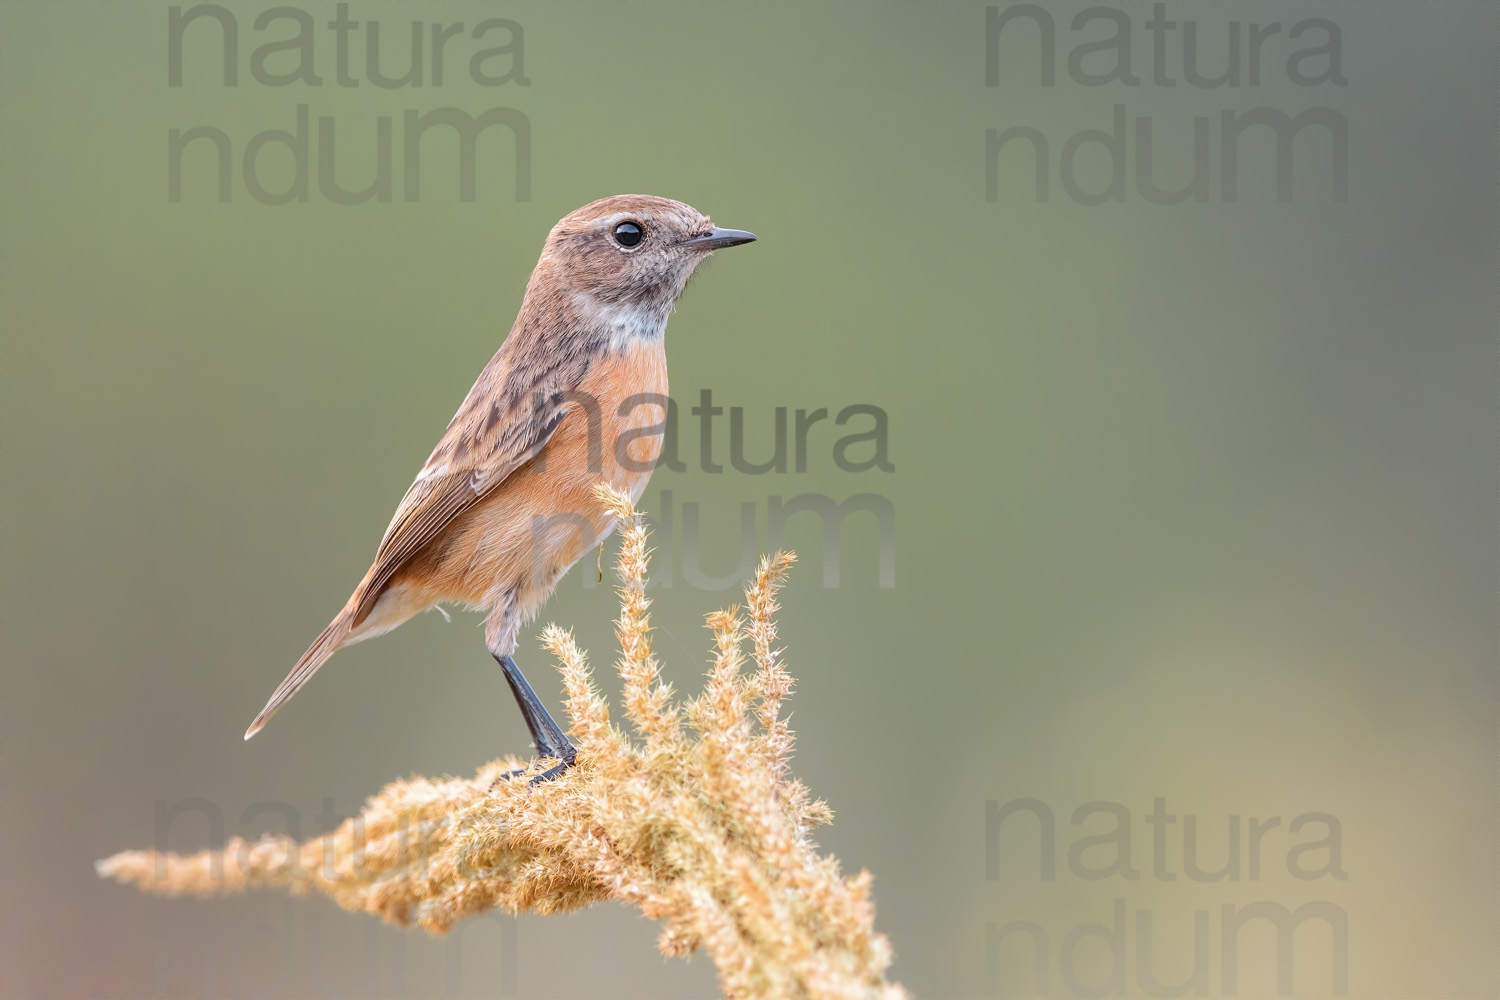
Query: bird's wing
[{"x": 487, "y": 441}]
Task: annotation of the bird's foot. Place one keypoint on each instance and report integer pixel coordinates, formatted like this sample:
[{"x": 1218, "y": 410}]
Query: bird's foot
[{"x": 565, "y": 759}]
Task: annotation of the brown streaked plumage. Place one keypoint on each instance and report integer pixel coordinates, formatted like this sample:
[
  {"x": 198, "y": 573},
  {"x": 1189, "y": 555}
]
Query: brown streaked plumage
[{"x": 502, "y": 508}]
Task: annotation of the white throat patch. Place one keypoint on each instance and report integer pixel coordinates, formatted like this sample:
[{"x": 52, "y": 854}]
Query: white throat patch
[{"x": 623, "y": 325}]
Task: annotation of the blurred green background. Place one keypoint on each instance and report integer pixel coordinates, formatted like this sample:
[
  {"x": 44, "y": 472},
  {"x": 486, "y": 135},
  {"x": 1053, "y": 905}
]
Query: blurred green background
[{"x": 1193, "y": 502}]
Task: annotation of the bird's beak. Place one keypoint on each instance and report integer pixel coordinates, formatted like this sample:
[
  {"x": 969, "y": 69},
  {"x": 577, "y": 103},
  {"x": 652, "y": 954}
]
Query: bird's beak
[{"x": 718, "y": 239}]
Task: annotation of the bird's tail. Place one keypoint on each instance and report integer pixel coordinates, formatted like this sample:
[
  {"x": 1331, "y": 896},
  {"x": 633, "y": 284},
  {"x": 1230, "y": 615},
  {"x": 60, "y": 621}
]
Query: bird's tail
[{"x": 317, "y": 654}]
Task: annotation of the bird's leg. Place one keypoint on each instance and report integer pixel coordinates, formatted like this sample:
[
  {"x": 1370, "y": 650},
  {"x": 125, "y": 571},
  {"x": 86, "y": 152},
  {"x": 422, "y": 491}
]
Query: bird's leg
[{"x": 546, "y": 734}]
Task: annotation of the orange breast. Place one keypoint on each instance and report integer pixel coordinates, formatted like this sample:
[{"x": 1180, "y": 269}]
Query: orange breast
[{"x": 518, "y": 541}]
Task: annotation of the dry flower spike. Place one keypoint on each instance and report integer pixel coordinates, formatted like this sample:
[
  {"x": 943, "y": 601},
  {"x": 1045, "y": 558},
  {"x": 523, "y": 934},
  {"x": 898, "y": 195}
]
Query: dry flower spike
[{"x": 691, "y": 817}]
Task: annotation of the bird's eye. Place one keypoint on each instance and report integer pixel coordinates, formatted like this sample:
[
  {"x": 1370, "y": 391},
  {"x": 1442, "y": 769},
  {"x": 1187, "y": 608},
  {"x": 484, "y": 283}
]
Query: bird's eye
[{"x": 628, "y": 234}]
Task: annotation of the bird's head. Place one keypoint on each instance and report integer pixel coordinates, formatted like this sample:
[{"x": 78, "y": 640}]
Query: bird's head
[{"x": 632, "y": 251}]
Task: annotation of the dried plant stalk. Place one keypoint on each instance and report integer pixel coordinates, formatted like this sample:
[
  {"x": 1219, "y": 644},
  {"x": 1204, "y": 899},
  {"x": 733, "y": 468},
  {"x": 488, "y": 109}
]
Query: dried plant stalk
[{"x": 698, "y": 826}]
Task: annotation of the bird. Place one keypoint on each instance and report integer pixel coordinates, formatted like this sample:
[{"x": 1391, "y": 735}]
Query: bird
[{"x": 575, "y": 395}]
